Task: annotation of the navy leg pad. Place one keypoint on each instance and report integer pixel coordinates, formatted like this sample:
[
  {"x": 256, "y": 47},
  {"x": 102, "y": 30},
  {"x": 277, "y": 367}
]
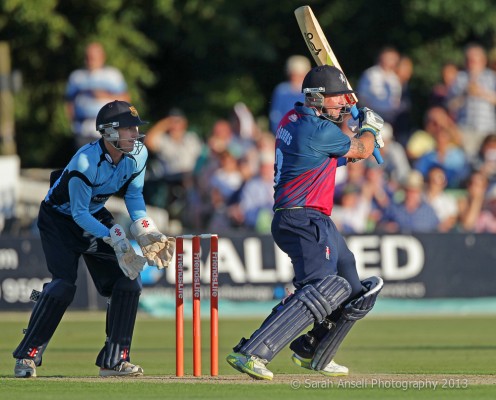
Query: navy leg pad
[
  {"x": 352, "y": 312},
  {"x": 48, "y": 311},
  {"x": 121, "y": 316},
  {"x": 311, "y": 303}
]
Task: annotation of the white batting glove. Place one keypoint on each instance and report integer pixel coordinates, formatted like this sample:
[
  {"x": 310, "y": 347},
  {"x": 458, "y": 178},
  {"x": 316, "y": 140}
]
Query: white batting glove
[
  {"x": 157, "y": 248},
  {"x": 372, "y": 122},
  {"x": 130, "y": 262}
]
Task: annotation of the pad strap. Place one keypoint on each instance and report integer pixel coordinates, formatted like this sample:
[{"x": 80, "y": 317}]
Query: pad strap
[
  {"x": 309, "y": 304},
  {"x": 352, "y": 312}
]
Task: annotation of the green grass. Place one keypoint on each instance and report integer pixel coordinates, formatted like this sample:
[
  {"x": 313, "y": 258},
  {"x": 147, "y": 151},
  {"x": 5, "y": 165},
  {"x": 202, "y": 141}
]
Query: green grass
[{"x": 375, "y": 347}]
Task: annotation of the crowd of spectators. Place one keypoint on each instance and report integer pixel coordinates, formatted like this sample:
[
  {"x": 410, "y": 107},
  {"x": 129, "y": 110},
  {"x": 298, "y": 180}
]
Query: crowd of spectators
[{"x": 437, "y": 177}]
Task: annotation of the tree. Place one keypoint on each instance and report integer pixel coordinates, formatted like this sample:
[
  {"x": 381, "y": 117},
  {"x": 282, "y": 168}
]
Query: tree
[{"x": 206, "y": 55}]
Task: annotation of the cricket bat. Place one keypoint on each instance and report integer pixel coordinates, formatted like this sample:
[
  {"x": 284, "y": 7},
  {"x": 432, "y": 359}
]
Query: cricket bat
[{"x": 323, "y": 55}]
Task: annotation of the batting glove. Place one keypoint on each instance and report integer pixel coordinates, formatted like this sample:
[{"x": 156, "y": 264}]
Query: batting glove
[
  {"x": 372, "y": 122},
  {"x": 157, "y": 248},
  {"x": 129, "y": 262}
]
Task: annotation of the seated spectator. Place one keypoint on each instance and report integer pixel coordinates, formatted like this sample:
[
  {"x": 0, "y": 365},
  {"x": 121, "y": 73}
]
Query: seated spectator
[
  {"x": 470, "y": 206},
  {"x": 413, "y": 214},
  {"x": 446, "y": 155},
  {"x": 174, "y": 151},
  {"x": 355, "y": 175},
  {"x": 253, "y": 206},
  {"x": 222, "y": 185},
  {"x": 379, "y": 189},
  {"x": 221, "y": 140},
  {"x": 485, "y": 161},
  {"x": 444, "y": 204},
  {"x": 396, "y": 165},
  {"x": 352, "y": 214},
  {"x": 422, "y": 141},
  {"x": 486, "y": 222}
]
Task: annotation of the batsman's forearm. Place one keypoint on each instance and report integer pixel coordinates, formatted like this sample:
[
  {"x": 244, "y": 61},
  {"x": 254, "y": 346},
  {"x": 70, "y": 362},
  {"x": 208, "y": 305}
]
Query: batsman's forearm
[{"x": 362, "y": 147}]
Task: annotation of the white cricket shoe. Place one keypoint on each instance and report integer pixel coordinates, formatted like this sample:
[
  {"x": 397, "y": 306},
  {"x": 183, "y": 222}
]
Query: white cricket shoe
[
  {"x": 25, "y": 368},
  {"x": 251, "y": 365},
  {"x": 332, "y": 369},
  {"x": 123, "y": 369}
]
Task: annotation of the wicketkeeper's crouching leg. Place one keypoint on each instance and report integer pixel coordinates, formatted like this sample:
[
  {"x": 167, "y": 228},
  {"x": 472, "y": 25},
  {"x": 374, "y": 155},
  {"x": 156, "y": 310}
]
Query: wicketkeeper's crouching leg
[
  {"x": 114, "y": 358},
  {"x": 312, "y": 303},
  {"x": 50, "y": 307},
  {"x": 317, "y": 348}
]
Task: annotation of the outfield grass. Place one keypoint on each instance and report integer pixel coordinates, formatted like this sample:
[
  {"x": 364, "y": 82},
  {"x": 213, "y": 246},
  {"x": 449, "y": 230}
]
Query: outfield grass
[{"x": 442, "y": 350}]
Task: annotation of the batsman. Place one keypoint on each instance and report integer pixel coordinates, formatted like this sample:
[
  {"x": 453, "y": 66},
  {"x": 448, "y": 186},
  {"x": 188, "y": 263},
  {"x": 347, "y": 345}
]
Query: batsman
[
  {"x": 74, "y": 222},
  {"x": 329, "y": 294}
]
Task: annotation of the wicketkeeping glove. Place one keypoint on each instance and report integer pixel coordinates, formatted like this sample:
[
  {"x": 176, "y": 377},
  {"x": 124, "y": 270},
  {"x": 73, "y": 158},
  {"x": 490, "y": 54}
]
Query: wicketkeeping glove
[
  {"x": 130, "y": 262},
  {"x": 372, "y": 122},
  {"x": 157, "y": 248}
]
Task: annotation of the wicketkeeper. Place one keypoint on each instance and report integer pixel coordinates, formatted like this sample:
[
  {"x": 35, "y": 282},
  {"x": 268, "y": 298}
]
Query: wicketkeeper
[
  {"x": 73, "y": 222},
  {"x": 309, "y": 147}
]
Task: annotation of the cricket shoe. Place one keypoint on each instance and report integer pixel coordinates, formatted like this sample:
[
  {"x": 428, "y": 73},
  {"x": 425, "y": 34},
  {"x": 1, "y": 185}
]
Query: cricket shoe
[
  {"x": 25, "y": 368},
  {"x": 251, "y": 365},
  {"x": 123, "y": 369},
  {"x": 332, "y": 369}
]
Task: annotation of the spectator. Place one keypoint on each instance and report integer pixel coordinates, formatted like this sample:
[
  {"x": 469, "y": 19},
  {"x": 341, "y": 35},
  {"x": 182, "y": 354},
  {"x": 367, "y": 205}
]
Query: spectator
[
  {"x": 200, "y": 197},
  {"x": 88, "y": 90},
  {"x": 355, "y": 175},
  {"x": 446, "y": 155},
  {"x": 422, "y": 141},
  {"x": 287, "y": 93},
  {"x": 470, "y": 206},
  {"x": 486, "y": 222},
  {"x": 439, "y": 94},
  {"x": 380, "y": 87},
  {"x": 413, "y": 214},
  {"x": 253, "y": 208},
  {"x": 351, "y": 215},
  {"x": 472, "y": 99},
  {"x": 379, "y": 190},
  {"x": 485, "y": 162},
  {"x": 401, "y": 124},
  {"x": 224, "y": 183},
  {"x": 444, "y": 204},
  {"x": 174, "y": 151},
  {"x": 396, "y": 165}
]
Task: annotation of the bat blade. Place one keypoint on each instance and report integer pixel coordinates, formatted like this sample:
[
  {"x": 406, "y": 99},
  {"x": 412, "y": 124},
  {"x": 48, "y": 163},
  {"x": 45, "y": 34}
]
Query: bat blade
[
  {"x": 317, "y": 42},
  {"x": 322, "y": 53}
]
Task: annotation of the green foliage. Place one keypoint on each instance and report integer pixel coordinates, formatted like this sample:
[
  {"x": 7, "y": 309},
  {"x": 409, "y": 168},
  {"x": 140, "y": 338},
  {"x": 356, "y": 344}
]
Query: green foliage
[{"x": 206, "y": 55}]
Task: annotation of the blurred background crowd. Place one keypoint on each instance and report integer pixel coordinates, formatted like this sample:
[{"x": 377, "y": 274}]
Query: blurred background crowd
[
  {"x": 437, "y": 177},
  {"x": 214, "y": 99}
]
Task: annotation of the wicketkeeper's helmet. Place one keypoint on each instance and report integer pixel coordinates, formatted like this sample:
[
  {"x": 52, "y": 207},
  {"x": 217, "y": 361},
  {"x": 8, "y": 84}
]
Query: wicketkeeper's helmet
[{"x": 118, "y": 114}]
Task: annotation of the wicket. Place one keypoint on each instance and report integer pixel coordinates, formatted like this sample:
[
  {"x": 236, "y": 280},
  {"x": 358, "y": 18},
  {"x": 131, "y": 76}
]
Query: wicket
[{"x": 214, "y": 303}]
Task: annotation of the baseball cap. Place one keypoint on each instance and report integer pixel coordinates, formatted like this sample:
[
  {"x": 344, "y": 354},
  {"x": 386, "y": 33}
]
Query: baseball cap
[
  {"x": 118, "y": 114},
  {"x": 325, "y": 79}
]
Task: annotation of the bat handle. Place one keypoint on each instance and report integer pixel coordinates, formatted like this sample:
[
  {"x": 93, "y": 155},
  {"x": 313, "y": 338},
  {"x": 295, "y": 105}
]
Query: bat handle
[{"x": 376, "y": 153}]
